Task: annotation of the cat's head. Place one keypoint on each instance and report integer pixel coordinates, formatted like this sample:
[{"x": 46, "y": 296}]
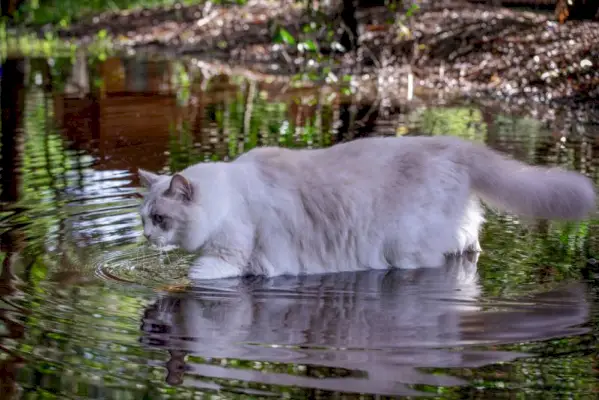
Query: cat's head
[{"x": 166, "y": 208}]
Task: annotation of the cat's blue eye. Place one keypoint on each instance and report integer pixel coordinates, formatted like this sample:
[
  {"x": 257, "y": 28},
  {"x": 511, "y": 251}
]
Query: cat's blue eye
[{"x": 158, "y": 219}]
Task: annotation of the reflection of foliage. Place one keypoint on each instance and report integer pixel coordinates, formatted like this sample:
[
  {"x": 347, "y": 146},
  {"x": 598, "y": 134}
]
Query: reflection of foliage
[
  {"x": 31, "y": 46},
  {"x": 82, "y": 345},
  {"x": 241, "y": 122},
  {"x": 464, "y": 122},
  {"x": 181, "y": 148},
  {"x": 516, "y": 258},
  {"x": 45, "y": 163},
  {"x": 51, "y": 47}
]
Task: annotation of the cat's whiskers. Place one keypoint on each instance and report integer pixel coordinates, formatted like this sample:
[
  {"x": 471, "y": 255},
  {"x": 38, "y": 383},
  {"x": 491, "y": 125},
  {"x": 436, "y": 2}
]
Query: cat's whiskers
[
  {"x": 166, "y": 255},
  {"x": 163, "y": 250}
]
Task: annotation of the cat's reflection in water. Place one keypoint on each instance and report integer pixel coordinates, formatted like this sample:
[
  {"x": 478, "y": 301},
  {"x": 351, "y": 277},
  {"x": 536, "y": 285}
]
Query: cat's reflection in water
[{"x": 379, "y": 326}]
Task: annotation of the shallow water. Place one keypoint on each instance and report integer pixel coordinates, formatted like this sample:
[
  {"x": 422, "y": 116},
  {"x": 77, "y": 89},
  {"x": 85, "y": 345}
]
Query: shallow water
[{"x": 82, "y": 309}]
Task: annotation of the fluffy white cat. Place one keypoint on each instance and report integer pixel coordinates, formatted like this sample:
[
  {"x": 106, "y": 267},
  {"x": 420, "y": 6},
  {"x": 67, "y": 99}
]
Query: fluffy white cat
[{"x": 371, "y": 203}]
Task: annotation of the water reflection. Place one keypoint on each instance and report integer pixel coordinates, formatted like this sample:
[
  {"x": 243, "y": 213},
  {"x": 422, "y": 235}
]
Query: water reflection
[
  {"x": 370, "y": 331},
  {"x": 11, "y": 328},
  {"x": 11, "y": 242},
  {"x": 74, "y": 133},
  {"x": 13, "y": 105}
]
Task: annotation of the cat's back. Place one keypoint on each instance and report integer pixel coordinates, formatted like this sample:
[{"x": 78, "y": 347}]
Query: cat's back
[
  {"x": 377, "y": 147},
  {"x": 272, "y": 154},
  {"x": 360, "y": 159},
  {"x": 366, "y": 148},
  {"x": 275, "y": 165},
  {"x": 386, "y": 157}
]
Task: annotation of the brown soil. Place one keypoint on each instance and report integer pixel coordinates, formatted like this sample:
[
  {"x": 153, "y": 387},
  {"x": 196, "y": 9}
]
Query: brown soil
[{"x": 453, "y": 46}]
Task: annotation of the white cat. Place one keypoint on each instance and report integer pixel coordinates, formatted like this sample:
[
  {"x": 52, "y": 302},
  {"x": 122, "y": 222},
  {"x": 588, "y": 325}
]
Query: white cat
[{"x": 371, "y": 203}]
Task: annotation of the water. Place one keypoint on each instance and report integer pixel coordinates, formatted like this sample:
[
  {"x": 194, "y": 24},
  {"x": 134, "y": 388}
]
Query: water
[{"x": 84, "y": 312}]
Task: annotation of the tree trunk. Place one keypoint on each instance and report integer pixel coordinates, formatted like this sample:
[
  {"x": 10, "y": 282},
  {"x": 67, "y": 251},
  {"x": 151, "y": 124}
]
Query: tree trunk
[{"x": 578, "y": 10}]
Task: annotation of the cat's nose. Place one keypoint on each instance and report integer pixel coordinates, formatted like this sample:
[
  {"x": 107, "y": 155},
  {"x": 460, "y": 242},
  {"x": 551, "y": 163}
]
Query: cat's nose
[{"x": 147, "y": 236}]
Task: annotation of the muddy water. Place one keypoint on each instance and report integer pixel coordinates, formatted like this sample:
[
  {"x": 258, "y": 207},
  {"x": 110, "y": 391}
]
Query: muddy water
[{"x": 83, "y": 315}]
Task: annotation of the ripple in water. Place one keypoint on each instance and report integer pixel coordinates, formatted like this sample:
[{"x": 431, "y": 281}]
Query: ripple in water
[{"x": 147, "y": 266}]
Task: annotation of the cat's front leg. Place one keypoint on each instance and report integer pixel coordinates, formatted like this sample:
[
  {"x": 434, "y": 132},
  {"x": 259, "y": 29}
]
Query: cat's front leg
[{"x": 210, "y": 267}]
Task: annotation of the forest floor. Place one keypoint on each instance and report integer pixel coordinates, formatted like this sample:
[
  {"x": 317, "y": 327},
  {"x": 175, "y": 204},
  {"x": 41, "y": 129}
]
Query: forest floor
[{"x": 447, "y": 45}]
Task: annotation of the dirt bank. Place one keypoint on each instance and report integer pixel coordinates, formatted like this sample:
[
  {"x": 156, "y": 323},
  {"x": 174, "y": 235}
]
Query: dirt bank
[{"x": 448, "y": 45}]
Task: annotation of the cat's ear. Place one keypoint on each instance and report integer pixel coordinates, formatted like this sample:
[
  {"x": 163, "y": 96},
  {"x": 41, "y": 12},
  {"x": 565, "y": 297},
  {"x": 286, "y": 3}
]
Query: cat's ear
[
  {"x": 147, "y": 178},
  {"x": 181, "y": 188}
]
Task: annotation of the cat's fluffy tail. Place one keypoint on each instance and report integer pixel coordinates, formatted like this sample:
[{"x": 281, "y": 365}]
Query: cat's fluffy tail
[{"x": 512, "y": 186}]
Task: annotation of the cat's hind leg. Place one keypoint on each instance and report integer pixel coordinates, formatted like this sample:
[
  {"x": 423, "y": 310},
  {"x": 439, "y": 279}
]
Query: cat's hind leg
[{"x": 469, "y": 229}]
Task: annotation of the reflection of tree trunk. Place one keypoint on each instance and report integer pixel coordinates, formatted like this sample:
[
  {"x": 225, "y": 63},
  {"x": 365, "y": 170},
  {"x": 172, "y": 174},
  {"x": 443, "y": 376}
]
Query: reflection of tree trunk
[
  {"x": 543, "y": 151},
  {"x": 78, "y": 83},
  {"x": 349, "y": 39},
  {"x": 542, "y": 229},
  {"x": 346, "y": 119},
  {"x": 356, "y": 121},
  {"x": 198, "y": 119},
  {"x": 8, "y": 376},
  {"x": 577, "y": 147},
  {"x": 13, "y": 103},
  {"x": 247, "y": 115},
  {"x": 492, "y": 139},
  {"x": 47, "y": 157},
  {"x": 40, "y": 65},
  {"x": 10, "y": 7},
  {"x": 318, "y": 119},
  {"x": 593, "y": 237},
  {"x": 47, "y": 78},
  {"x": 11, "y": 244},
  {"x": 175, "y": 367}
]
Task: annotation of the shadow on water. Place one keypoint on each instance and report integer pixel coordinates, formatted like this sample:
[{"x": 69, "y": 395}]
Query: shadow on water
[{"x": 521, "y": 319}]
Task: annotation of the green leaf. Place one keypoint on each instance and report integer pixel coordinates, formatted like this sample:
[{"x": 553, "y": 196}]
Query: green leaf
[
  {"x": 283, "y": 36},
  {"x": 309, "y": 45},
  {"x": 311, "y": 27},
  {"x": 413, "y": 8}
]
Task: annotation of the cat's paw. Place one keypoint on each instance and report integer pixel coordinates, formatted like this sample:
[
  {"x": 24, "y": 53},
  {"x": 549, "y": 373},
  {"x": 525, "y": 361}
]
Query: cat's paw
[
  {"x": 173, "y": 288},
  {"x": 211, "y": 268}
]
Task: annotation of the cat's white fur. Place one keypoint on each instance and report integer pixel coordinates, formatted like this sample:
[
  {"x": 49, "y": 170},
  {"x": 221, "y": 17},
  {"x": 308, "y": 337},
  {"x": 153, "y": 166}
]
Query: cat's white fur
[{"x": 367, "y": 204}]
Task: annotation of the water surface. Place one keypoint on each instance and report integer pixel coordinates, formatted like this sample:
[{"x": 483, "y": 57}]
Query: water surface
[{"x": 83, "y": 313}]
